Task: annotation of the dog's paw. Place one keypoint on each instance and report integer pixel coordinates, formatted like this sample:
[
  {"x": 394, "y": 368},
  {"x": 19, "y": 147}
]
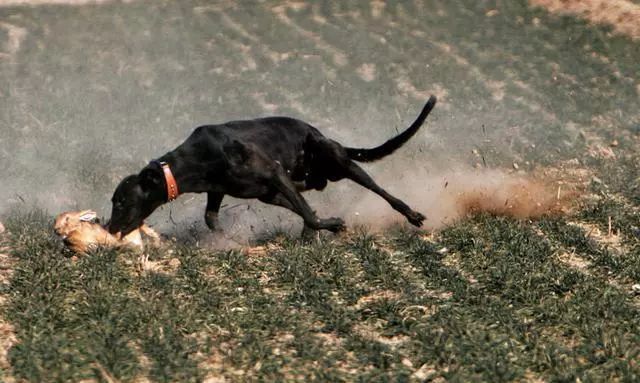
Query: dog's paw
[
  {"x": 334, "y": 224},
  {"x": 211, "y": 219},
  {"x": 416, "y": 218}
]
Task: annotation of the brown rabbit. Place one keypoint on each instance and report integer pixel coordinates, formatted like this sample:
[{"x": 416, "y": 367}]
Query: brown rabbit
[{"x": 80, "y": 233}]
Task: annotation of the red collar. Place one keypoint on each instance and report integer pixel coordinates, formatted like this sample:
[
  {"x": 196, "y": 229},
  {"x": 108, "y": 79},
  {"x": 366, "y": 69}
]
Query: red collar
[{"x": 172, "y": 186}]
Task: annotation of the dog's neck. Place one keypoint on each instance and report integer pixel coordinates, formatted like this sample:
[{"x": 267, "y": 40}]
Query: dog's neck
[
  {"x": 169, "y": 180},
  {"x": 190, "y": 174}
]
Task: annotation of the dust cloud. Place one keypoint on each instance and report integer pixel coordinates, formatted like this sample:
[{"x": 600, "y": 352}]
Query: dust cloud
[{"x": 448, "y": 197}]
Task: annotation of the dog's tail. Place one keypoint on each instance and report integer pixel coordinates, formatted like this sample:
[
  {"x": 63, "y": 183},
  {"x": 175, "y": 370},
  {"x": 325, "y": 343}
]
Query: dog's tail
[{"x": 374, "y": 154}]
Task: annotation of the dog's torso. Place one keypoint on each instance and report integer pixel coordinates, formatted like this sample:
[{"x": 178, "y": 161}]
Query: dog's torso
[{"x": 212, "y": 153}]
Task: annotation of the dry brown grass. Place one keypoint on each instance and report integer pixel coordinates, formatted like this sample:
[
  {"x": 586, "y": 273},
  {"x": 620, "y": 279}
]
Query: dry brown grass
[{"x": 622, "y": 15}]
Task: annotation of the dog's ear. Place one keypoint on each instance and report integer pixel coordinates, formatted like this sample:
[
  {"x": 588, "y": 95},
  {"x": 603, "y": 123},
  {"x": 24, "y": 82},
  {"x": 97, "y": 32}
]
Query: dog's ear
[
  {"x": 150, "y": 179},
  {"x": 88, "y": 215},
  {"x": 236, "y": 152}
]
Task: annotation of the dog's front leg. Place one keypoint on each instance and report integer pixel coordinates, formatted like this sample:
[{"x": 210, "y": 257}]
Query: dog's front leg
[
  {"x": 213, "y": 206},
  {"x": 309, "y": 234}
]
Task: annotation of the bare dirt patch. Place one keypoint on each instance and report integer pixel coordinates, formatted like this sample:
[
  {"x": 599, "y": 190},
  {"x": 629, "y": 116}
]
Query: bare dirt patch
[
  {"x": 622, "y": 15},
  {"x": 610, "y": 239},
  {"x": 7, "y": 340},
  {"x": 574, "y": 261},
  {"x": 7, "y": 3},
  {"x": 372, "y": 332},
  {"x": 15, "y": 37},
  {"x": 375, "y": 297}
]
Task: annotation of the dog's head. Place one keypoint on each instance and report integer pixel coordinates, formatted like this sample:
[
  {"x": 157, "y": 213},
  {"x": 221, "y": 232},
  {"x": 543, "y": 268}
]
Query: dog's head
[
  {"x": 70, "y": 221},
  {"x": 135, "y": 198}
]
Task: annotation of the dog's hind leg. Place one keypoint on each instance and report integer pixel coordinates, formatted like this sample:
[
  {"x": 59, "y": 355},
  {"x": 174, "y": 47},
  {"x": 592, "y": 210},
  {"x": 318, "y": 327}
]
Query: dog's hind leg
[
  {"x": 309, "y": 234},
  {"x": 311, "y": 222},
  {"x": 279, "y": 200},
  {"x": 256, "y": 175},
  {"x": 213, "y": 206},
  {"x": 288, "y": 197},
  {"x": 338, "y": 165},
  {"x": 358, "y": 175}
]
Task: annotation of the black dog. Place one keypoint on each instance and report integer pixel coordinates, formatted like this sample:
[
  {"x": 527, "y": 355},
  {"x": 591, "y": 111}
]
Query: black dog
[{"x": 271, "y": 159}]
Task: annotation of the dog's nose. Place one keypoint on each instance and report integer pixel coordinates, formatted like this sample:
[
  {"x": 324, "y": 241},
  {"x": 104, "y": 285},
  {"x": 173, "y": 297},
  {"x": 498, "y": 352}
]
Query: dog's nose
[{"x": 108, "y": 228}]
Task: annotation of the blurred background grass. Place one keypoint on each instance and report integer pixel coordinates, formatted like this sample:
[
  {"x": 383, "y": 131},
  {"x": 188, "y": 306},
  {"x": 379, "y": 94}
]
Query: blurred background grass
[{"x": 91, "y": 93}]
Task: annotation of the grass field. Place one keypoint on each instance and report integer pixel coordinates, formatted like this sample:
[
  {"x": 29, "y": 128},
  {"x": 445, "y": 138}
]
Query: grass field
[{"x": 90, "y": 93}]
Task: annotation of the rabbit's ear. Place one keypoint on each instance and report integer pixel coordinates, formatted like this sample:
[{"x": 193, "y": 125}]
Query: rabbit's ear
[{"x": 88, "y": 215}]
